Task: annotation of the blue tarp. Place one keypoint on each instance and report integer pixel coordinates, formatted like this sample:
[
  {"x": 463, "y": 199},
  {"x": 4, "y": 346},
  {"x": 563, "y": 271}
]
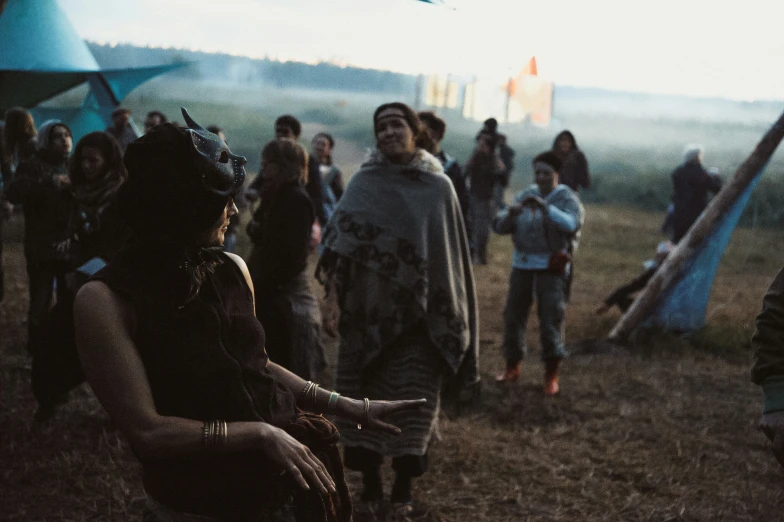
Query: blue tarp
[
  {"x": 43, "y": 56},
  {"x": 682, "y": 307}
]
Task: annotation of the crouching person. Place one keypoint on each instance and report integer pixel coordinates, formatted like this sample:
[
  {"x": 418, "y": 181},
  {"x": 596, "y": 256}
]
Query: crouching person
[
  {"x": 168, "y": 339},
  {"x": 543, "y": 221}
]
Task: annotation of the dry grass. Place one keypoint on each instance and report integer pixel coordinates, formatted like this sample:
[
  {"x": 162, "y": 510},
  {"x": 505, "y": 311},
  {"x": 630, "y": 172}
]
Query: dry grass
[{"x": 665, "y": 430}]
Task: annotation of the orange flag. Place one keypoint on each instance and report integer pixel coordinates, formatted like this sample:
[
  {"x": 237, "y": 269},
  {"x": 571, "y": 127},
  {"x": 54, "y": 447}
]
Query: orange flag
[{"x": 530, "y": 67}]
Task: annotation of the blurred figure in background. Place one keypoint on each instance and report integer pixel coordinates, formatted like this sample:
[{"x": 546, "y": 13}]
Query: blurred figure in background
[
  {"x": 507, "y": 154},
  {"x": 218, "y": 131},
  {"x": 280, "y": 231},
  {"x": 19, "y": 141},
  {"x": 574, "y": 166},
  {"x": 6, "y": 210},
  {"x": 43, "y": 187},
  {"x": 543, "y": 222},
  {"x": 483, "y": 169},
  {"x": 435, "y": 127},
  {"x": 121, "y": 129},
  {"x": 691, "y": 188},
  {"x": 332, "y": 183},
  {"x": 96, "y": 235},
  {"x": 153, "y": 119},
  {"x": 622, "y": 296}
]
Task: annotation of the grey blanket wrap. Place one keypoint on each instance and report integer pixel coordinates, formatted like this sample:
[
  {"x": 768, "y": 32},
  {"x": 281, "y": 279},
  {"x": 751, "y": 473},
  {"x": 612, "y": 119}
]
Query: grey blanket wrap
[{"x": 402, "y": 225}]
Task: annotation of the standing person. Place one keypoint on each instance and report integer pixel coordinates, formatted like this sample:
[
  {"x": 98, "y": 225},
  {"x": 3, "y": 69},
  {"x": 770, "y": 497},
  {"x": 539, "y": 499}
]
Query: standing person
[
  {"x": 331, "y": 178},
  {"x": 574, "y": 166},
  {"x": 169, "y": 342},
  {"x": 543, "y": 221},
  {"x": 6, "y": 209},
  {"x": 19, "y": 141},
  {"x": 96, "y": 233},
  {"x": 507, "y": 154},
  {"x": 483, "y": 170},
  {"x": 121, "y": 129},
  {"x": 289, "y": 127},
  {"x": 691, "y": 186},
  {"x": 43, "y": 187},
  {"x": 153, "y": 119},
  {"x": 400, "y": 291},
  {"x": 280, "y": 231},
  {"x": 18, "y": 144},
  {"x": 436, "y": 129},
  {"x": 768, "y": 367}
]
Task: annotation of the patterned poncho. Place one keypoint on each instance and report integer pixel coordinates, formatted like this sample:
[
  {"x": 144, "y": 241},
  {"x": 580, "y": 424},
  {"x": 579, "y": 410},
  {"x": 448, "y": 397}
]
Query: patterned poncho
[{"x": 397, "y": 248}]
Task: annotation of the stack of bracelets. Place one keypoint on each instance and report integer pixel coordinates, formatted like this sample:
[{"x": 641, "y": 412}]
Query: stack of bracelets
[
  {"x": 309, "y": 394},
  {"x": 214, "y": 434}
]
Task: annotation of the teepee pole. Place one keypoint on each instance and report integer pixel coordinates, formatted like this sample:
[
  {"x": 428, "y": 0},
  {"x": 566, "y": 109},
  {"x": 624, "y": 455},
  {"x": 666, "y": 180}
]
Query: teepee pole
[{"x": 671, "y": 271}]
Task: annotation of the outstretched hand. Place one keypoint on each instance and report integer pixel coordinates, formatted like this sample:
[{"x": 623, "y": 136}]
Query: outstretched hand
[
  {"x": 377, "y": 411},
  {"x": 772, "y": 425}
]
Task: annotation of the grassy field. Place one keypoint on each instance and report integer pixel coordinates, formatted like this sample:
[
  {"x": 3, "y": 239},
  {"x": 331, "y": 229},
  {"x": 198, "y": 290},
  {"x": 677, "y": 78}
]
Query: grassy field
[{"x": 664, "y": 429}]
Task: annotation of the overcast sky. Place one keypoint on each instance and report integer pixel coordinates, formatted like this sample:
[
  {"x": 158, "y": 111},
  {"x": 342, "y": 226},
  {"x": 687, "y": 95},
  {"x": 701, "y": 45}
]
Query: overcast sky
[{"x": 694, "y": 47}]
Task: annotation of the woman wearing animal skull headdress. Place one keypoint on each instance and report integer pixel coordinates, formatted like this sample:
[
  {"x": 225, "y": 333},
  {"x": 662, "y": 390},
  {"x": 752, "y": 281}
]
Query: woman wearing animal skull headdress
[{"x": 168, "y": 340}]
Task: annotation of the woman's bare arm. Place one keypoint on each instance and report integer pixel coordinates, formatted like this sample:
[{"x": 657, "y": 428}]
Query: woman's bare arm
[
  {"x": 115, "y": 371},
  {"x": 344, "y": 407}
]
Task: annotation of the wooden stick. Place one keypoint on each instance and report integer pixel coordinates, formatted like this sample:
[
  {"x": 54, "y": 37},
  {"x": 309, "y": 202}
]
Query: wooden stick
[{"x": 671, "y": 271}]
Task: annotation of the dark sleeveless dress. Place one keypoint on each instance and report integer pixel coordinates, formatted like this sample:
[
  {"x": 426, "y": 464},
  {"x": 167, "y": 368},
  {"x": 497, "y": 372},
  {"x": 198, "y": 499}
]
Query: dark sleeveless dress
[{"x": 205, "y": 360}]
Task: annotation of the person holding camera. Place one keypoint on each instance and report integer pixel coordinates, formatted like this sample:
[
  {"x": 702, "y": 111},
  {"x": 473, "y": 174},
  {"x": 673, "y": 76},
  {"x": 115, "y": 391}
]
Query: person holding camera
[{"x": 543, "y": 221}]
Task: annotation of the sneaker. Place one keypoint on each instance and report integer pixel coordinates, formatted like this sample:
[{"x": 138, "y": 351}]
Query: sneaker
[{"x": 511, "y": 374}]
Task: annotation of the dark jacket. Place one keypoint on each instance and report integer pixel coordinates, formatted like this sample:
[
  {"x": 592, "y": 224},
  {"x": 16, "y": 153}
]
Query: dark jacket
[
  {"x": 281, "y": 232},
  {"x": 314, "y": 190},
  {"x": 768, "y": 346},
  {"x": 691, "y": 186},
  {"x": 484, "y": 173},
  {"x": 455, "y": 174},
  {"x": 574, "y": 165},
  {"x": 507, "y": 155},
  {"x": 47, "y": 205}
]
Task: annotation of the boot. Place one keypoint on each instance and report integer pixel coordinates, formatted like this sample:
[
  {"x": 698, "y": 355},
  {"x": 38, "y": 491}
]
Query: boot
[
  {"x": 551, "y": 368},
  {"x": 511, "y": 374}
]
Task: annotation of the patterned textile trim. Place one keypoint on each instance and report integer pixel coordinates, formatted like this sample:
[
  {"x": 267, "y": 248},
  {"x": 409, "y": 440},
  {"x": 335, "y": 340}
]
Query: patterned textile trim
[{"x": 394, "y": 259}]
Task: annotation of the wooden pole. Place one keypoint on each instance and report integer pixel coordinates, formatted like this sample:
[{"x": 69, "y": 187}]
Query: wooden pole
[{"x": 671, "y": 271}]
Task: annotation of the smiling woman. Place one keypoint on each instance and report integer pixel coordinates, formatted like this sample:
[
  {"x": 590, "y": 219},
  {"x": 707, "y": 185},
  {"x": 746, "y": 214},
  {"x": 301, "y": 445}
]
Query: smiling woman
[{"x": 400, "y": 291}]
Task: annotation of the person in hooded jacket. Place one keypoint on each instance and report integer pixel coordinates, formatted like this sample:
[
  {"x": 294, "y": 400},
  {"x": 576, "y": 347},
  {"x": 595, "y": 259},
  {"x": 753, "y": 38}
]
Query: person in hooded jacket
[
  {"x": 43, "y": 187},
  {"x": 96, "y": 233}
]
